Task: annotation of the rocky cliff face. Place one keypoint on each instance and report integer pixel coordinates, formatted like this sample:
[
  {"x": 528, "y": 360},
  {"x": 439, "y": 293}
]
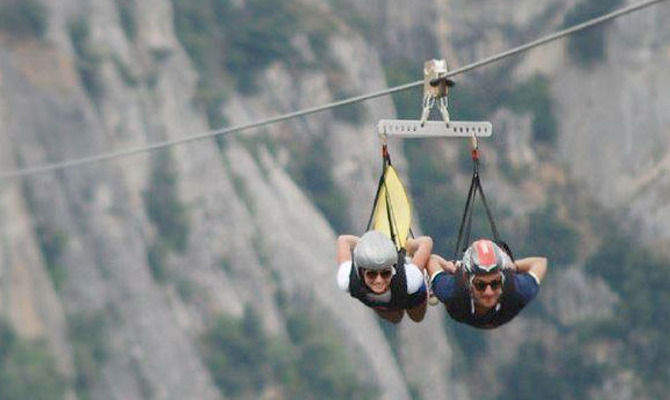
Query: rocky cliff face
[{"x": 79, "y": 245}]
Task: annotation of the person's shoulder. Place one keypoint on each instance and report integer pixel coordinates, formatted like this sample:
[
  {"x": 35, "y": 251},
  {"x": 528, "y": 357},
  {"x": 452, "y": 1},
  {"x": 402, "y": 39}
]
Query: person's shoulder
[
  {"x": 343, "y": 274},
  {"x": 526, "y": 278},
  {"x": 414, "y": 278},
  {"x": 526, "y": 286}
]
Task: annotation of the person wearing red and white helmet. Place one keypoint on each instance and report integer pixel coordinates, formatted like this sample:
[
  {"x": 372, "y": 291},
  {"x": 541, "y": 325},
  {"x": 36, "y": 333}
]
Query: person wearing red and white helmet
[
  {"x": 372, "y": 270},
  {"x": 486, "y": 288}
]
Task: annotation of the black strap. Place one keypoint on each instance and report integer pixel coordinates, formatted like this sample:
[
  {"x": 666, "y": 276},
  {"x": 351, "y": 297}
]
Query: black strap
[
  {"x": 465, "y": 228},
  {"x": 390, "y": 215},
  {"x": 399, "y": 284},
  {"x": 385, "y": 159},
  {"x": 386, "y": 162},
  {"x": 356, "y": 287}
]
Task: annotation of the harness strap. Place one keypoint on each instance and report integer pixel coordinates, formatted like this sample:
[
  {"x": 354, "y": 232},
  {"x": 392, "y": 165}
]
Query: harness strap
[
  {"x": 385, "y": 158},
  {"x": 466, "y": 214},
  {"x": 386, "y": 162},
  {"x": 465, "y": 228}
]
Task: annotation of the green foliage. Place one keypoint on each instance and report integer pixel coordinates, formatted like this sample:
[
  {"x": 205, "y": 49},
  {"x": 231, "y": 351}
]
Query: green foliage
[
  {"x": 311, "y": 169},
  {"x": 259, "y": 248},
  {"x": 551, "y": 237},
  {"x": 320, "y": 359},
  {"x": 244, "y": 360},
  {"x": 588, "y": 47},
  {"x": 24, "y": 18},
  {"x": 226, "y": 265},
  {"x": 540, "y": 374},
  {"x": 534, "y": 96},
  {"x": 51, "y": 240},
  {"x": 471, "y": 342},
  {"x": 414, "y": 391},
  {"x": 352, "y": 113},
  {"x": 237, "y": 354},
  {"x": 256, "y": 35},
  {"x": 640, "y": 277},
  {"x": 407, "y": 102},
  {"x": 353, "y": 18},
  {"x": 476, "y": 101},
  {"x": 52, "y": 243},
  {"x": 27, "y": 370},
  {"x": 160, "y": 54},
  {"x": 87, "y": 335},
  {"x": 224, "y": 39},
  {"x": 245, "y": 39},
  {"x": 162, "y": 203},
  {"x": 211, "y": 96},
  {"x": 390, "y": 331},
  {"x": 125, "y": 72},
  {"x": 203, "y": 39},
  {"x": 166, "y": 212},
  {"x": 242, "y": 191},
  {"x": 88, "y": 59},
  {"x": 439, "y": 206},
  {"x": 156, "y": 253},
  {"x": 127, "y": 9}
]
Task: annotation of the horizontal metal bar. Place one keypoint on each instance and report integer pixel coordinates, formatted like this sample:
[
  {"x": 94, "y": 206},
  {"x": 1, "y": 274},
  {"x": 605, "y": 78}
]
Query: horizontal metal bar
[{"x": 412, "y": 128}]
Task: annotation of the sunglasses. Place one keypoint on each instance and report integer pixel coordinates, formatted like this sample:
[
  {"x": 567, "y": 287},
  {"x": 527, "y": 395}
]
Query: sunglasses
[
  {"x": 481, "y": 285},
  {"x": 372, "y": 274}
]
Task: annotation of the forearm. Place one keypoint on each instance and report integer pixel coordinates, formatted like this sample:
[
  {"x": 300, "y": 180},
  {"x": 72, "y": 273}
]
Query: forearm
[
  {"x": 345, "y": 243},
  {"x": 419, "y": 249},
  {"x": 535, "y": 265},
  {"x": 438, "y": 264},
  {"x": 433, "y": 266}
]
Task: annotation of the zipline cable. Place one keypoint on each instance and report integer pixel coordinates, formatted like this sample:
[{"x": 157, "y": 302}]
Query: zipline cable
[{"x": 224, "y": 131}]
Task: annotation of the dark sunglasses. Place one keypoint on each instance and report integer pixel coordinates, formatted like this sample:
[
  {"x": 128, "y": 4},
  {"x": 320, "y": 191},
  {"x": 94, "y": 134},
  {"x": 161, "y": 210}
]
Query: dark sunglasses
[
  {"x": 481, "y": 285},
  {"x": 372, "y": 274}
]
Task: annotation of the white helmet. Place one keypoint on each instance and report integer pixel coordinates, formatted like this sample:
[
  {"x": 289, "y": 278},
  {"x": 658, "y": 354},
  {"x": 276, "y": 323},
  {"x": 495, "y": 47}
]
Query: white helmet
[{"x": 375, "y": 251}]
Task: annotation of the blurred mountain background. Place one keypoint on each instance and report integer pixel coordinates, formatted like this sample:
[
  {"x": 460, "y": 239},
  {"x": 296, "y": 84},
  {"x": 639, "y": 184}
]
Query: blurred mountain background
[{"x": 206, "y": 270}]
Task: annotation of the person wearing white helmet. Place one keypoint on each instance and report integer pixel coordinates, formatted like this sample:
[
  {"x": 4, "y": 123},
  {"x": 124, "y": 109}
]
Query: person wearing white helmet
[
  {"x": 486, "y": 288},
  {"x": 373, "y": 271}
]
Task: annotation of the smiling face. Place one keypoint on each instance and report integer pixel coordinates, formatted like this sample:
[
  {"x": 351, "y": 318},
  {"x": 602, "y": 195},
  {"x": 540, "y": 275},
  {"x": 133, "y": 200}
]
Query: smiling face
[
  {"x": 379, "y": 281},
  {"x": 486, "y": 290}
]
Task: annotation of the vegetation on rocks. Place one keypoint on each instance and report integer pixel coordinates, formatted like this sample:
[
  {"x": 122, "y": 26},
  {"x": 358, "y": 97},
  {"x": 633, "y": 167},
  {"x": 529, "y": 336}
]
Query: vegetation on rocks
[
  {"x": 166, "y": 212},
  {"x": 87, "y": 334},
  {"x": 24, "y": 18},
  {"x": 310, "y": 364},
  {"x": 589, "y": 47},
  {"x": 89, "y": 59},
  {"x": 27, "y": 370}
]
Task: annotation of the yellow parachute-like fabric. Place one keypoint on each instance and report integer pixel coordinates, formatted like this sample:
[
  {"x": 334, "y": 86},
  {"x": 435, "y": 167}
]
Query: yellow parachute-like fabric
[{"x": 392, "y": 212}]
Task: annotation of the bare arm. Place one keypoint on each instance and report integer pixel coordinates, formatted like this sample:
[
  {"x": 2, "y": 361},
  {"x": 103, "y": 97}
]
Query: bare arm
[
  {"x": 344, "y": 245},
  {"x": 419, "y": 249},
  {"x": 537, "y": 266},
  {"x": 438, "y": 264}
]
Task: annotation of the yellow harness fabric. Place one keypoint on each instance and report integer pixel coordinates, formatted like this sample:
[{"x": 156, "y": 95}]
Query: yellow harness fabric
[{"x": 392, "y": 212}]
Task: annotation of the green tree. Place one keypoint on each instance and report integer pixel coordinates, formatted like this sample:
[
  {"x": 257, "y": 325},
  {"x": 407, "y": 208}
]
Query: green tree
[
  {"x": 588, "y": 47},
  {"x": 166, "y": 212},
  {"x": 88, "y": 59},
  {"x": 27, "y": 370},
  {"x": 534, "y": 96},
  {"x": 23, "y": 18},
  {"x": 244, "y": 360}
]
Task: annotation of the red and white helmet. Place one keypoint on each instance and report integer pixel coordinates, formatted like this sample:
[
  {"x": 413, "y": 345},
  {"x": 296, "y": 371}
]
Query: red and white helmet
[{"x": 483, "y": 257}]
